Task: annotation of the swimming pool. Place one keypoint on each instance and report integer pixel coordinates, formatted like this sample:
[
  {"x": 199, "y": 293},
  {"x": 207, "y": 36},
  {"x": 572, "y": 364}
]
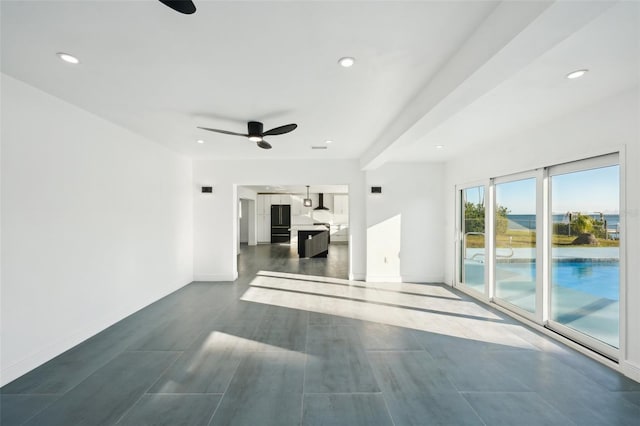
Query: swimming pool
[{"x": 591, "y": 276}]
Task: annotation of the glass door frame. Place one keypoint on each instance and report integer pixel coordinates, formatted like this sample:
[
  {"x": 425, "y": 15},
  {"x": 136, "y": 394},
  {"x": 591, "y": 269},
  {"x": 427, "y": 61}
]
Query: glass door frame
[
  {"x": 539, "y": 316},
  {"x": 459, "y": 239},
  {"x": 544, "y": 221},
  {"x": 577, "y": 336}
]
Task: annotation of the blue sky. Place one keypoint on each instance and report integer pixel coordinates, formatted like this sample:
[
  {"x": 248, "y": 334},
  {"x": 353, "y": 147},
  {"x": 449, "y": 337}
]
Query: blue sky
[
  {"x": 519, "y": 196},
  {"x": 588, "y": 191}
]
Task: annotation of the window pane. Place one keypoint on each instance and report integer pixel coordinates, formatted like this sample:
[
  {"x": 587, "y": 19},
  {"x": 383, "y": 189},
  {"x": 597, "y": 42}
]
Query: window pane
[
  {"x": 585, "y": 269},
  {"x": 515, "y": 239},
  {"x": 473, "y": 238}
]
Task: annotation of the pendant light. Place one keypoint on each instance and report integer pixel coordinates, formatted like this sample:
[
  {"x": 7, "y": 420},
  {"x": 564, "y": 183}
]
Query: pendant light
[{"x": 307, "y": 201}]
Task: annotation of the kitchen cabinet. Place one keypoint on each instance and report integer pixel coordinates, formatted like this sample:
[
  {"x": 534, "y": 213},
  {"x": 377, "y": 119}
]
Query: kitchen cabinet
[
  {"x": 263, "y": 205},
  {"x": 296, "y": 204},
  {"x": 264, "y": 228},
  {"x": 341, "y": 204},
  {"x": 313, "y": 243},
  {"x": 279, "y": 199}
]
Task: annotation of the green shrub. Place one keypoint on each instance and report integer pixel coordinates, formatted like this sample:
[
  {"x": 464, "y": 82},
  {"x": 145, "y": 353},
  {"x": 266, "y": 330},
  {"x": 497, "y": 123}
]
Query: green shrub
[
  {"x": 502, "y": 223},
  {"x": 581, "y": 224},
  {"x": 474, "y": 218}
]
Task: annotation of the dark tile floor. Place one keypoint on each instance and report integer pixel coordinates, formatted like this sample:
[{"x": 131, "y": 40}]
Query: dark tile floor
[{"x": 293, "y": 342}]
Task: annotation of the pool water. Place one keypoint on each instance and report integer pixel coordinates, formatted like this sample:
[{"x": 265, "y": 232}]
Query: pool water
[
  {"x": 597, "y": 278},
  {"x": 600, "y": 279}
]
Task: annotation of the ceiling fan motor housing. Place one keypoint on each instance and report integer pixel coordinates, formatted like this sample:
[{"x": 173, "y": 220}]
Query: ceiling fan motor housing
[{"x": 254, "y": 128}]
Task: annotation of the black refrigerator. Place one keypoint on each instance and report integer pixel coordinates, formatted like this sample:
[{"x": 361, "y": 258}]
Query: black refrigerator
[{"x": 280, "y": 223}]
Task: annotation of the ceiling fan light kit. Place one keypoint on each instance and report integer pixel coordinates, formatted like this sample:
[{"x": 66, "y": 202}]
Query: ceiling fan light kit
[
  {"x": 256, "y": 134},
  {"x": 68, "y": 58}
]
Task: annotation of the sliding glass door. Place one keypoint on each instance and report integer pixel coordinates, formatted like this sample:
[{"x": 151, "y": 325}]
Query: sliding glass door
[
  {"x": 515, "y": 230},
  {"x": 585, "y": 253},
  {"x": 548, "y": 247},
  {"x": 472, "y": 256}
]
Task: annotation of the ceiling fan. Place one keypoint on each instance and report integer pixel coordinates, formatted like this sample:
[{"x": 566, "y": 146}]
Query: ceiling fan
[
  {"x": 256, "y": 134},
  {"x": 183, "y": 6}
]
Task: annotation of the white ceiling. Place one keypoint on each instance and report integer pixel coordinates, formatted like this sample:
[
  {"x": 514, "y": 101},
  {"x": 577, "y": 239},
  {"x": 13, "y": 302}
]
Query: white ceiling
[
  {"x": 161, "y": 74},
  {"x": 608, "y": 46},
  {"x": 427, "y": 72}
]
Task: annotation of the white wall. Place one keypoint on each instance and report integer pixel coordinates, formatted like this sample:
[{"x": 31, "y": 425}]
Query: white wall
[
  {"x": 607, "y": 126},
  {"x": 214, "y": 229},
  {"x": 405, "y": 223},
  {"x": 96, "y": 224}
]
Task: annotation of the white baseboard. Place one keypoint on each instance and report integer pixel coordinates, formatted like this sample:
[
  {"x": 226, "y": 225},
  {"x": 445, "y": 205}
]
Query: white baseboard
[
  {"x": 9, "y": 373},
  {"x": 357, "y": 276},
  {"x": 421, "y": 279},
  {"x": 402, "y": 279},
  {"x": 630, "y": 370},
  {"x": 214, "y": 277},
  {"x": 383, "y": 279}
]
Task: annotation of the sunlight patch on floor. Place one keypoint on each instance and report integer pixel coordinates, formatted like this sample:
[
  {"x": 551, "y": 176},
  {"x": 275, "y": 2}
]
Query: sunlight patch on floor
[{"x": 456, "y": 318}]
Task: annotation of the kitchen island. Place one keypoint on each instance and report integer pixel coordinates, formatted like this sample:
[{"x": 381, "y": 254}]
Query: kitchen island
[{"x": 313, "y": 240}]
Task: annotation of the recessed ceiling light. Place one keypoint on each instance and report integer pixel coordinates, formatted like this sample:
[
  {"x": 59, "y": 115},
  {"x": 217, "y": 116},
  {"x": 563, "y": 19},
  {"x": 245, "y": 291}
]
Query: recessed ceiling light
[
  {"x": 347, "y": 61},
  {"x": 576, "y": 74},
  {"x": 200, "y": 141},
  {"x": 328, "y": 141},
  {"x": 439, "y": 146},
  {"x": 68, "y": 58}
]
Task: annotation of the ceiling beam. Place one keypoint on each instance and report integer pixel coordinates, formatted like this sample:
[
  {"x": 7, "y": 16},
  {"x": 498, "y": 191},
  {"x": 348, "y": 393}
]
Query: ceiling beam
[{"x": 512, "y": 36}]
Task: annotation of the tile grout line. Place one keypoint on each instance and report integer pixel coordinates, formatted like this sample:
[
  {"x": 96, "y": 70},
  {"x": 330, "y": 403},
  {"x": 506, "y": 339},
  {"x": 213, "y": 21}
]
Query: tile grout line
[
  {"x": 216, "y": 409},
  {"x": 345, "y": 393},
  {"x": 244, "y": 354},
  {"x": 304, "y": 370},
  {"x": 32, "y": 394},
  {"x": 461, "y": 394},
  {"x": 61, "y": 395},
  {"x": 149, "y": 387},
  {"x": 42, "y": 409},
  {"x": 184, "y": 394},
  {"x": 384, "y": 400}
]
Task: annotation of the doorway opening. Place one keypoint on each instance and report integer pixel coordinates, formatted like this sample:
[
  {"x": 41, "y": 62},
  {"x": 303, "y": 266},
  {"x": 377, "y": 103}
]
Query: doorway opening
[{"x": 278, "y": 230}]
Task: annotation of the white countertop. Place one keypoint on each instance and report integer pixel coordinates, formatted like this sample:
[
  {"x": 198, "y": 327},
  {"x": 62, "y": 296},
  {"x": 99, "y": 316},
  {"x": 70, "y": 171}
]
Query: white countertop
[{"x": 296, "y": 228}]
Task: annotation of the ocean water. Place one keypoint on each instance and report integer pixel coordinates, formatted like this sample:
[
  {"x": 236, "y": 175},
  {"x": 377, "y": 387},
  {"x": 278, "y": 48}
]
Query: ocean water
[{"x": 528, "y": 221}]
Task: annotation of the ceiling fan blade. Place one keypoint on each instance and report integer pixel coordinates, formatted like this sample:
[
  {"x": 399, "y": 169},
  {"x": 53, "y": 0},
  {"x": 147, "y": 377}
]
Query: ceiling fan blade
[
  {"x": 224, "y": 131},
  {"x": 264, "y": 144},
  {"x": 183, "y": 6},
  {"x": 280, "y": 130}
]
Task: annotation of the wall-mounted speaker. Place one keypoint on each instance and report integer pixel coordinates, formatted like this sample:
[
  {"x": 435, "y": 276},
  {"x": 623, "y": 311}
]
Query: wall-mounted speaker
[
  {"x": 207, "y": 189},
  {"x": 376, "y": 190}
]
